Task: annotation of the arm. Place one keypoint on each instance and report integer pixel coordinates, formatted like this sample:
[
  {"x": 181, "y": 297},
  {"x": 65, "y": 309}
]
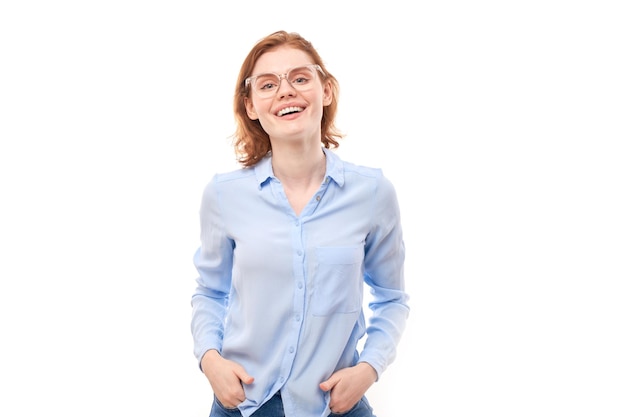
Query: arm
[
  {"x": 384, "y": 274},
  {"x": 213, "y": 261}
]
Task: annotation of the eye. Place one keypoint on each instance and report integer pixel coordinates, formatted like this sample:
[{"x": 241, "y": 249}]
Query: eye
[
  {"x": 266, "y": 86},
  {"x": 266, "y": 82},
  {"x": 300, "y": 76},
  {"x": 300, "y": 80}
]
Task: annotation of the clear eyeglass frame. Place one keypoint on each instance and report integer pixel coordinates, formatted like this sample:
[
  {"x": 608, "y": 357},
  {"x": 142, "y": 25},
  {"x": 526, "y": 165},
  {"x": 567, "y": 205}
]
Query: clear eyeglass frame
[{"x": 270, "y": 88}]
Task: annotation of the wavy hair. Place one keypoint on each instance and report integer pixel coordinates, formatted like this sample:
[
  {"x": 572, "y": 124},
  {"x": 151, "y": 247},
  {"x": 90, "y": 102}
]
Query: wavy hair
[{"x": 251, "y": 142}]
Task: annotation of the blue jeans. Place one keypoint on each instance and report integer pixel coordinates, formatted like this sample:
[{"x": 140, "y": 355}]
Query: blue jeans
[{"x": 274, "y": 408}]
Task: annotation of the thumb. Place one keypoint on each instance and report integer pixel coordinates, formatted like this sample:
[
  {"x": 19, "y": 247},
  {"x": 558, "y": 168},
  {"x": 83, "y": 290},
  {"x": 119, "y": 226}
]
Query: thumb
[
  {"x": 328, "y": 384},
  {"x": 244, "y": 377}
]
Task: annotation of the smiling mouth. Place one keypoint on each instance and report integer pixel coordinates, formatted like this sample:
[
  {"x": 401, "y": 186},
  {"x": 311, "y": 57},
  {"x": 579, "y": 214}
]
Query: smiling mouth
[{"x": 289, "y": 110}]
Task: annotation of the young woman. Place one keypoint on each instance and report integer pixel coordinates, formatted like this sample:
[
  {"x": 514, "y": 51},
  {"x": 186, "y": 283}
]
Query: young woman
[{"x": 288, "y": 243}]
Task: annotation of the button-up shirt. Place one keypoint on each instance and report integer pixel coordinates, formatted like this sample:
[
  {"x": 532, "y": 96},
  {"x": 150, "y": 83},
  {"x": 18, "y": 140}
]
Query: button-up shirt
[{"x": 283, "y": 294}]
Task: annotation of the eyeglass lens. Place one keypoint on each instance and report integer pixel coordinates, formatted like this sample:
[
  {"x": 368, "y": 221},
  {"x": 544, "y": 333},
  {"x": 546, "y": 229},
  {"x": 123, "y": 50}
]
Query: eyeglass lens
[{"x": 300, "y": 78}]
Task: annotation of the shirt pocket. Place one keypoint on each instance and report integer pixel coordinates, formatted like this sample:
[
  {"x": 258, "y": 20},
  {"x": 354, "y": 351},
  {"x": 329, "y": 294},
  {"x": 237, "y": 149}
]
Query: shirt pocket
[{"x": 338, "y": 280}]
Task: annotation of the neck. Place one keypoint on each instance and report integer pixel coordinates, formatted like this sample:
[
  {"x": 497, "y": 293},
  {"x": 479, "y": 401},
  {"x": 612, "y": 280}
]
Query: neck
[{"x": 302, "y": 167}]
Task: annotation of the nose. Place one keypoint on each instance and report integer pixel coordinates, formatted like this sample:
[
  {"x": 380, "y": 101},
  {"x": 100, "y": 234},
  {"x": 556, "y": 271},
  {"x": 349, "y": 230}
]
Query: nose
[{"x": 285, "y": 88}]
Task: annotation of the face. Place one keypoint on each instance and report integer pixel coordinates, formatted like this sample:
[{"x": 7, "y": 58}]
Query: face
[{"x": 289, "y": 114}]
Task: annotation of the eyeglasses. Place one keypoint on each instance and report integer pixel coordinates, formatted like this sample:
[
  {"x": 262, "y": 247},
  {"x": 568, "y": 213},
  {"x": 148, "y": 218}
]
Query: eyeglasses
[{"x": 300, "y": 78}]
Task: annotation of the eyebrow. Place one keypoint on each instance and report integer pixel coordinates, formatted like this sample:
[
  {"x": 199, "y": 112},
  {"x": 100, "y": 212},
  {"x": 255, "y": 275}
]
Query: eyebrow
[{"x": 280, "y": 73}]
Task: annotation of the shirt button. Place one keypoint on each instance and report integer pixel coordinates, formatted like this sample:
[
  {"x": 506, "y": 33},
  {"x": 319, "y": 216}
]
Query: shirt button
[
  {"x": 297, "y": 222},
  {"x": 291, "y": 349},
  {"x": 299, "y": 285},
  {"x": 282, "y": 379},
  {"x": 318, "y": 198},
  {"x": 299, "y": 253},
  {"x": 297, "y": 318}
]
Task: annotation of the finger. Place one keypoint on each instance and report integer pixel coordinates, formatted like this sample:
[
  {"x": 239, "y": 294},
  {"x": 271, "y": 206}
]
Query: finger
[
  {"x": 247, "y": 379},
  {"x": 243, "y": 376},
  {"x": 328, "y": 384}
]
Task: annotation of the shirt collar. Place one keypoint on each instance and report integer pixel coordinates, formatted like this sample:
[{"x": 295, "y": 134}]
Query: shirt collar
[{"x": 334, "y": 168}]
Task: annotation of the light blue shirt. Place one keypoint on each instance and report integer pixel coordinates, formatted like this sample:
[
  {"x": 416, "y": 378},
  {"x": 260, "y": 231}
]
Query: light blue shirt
[{"x": 282, "y": 294}]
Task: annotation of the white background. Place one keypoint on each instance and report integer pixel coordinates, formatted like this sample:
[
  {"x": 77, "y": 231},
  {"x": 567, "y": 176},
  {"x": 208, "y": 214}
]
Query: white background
[{"x": 502, "y": 125}]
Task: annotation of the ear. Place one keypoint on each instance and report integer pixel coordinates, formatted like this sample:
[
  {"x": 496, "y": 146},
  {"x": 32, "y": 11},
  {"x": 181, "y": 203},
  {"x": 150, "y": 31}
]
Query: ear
[
  {"x": 250, "y": 109},
  {"x": 328, "y": 94}
]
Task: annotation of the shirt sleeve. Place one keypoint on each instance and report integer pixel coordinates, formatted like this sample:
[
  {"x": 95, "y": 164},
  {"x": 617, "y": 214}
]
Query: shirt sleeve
[
  {"x": 213, "y": 262},
  {"x": 384, "y": 274}
]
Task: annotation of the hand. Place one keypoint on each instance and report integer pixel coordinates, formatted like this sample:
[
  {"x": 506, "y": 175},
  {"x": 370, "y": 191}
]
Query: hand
[
  {"x": 226, "y": 378},
  {"x": 347, "y": 386}
]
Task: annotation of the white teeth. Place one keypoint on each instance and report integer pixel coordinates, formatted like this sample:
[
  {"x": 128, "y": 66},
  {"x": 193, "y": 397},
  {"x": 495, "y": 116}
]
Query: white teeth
[{"x": 289, "y": 110}]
